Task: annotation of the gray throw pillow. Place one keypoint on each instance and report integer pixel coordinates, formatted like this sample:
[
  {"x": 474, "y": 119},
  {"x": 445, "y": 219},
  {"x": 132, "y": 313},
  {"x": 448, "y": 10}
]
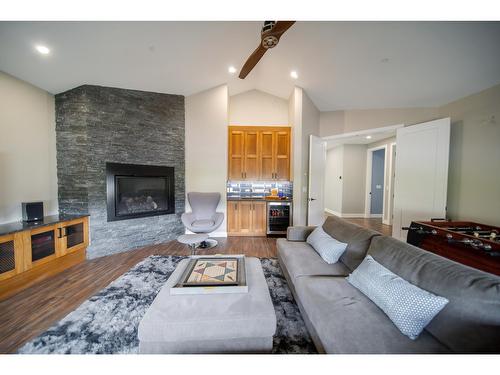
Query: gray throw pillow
[
  {"x": 326, "y": 246},
  {"x": 410, "y": 308}
]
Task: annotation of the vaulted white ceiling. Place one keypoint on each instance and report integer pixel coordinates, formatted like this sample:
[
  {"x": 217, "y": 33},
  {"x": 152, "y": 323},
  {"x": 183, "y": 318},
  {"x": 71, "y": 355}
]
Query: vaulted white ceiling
[{"x": 341, "y": 65}]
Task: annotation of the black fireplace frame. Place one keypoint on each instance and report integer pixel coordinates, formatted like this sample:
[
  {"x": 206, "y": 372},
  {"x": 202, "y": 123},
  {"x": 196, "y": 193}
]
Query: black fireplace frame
[{"x": 114, "y": 170}]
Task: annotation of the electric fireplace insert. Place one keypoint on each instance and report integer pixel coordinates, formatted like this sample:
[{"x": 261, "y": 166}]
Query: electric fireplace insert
[{"x": 139, "y": 191}]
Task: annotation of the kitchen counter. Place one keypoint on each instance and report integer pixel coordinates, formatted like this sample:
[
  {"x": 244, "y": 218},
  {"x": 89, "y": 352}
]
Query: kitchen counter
[{"x": 260, "y": 199}]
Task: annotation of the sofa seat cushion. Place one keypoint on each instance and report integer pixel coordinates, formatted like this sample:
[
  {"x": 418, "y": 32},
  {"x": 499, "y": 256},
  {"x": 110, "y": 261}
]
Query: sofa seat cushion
[
  {"x": 300, "y": 259},
  {"x": 346, "y": 321}
]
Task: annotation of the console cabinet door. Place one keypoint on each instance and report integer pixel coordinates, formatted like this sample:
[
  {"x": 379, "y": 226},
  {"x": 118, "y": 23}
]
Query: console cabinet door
[
  {"x": 236, "y": 154},
  {"x": 11, "y": 255},
  {"x": 41, "y": 245},
  {"x": 73, "y": 235}
]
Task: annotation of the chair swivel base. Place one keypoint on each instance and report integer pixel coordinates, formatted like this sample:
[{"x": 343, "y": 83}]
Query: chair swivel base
[{"x": 207, "y": 244}]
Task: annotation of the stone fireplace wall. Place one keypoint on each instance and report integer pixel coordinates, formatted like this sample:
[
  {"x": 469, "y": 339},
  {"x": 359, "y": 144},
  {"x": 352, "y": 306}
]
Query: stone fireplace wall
[{"x": 95, "y": 125}]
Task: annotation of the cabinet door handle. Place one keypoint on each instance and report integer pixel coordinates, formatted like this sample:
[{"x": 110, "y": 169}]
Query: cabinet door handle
[
  {"x": 60, "y": 233},
  {"x": 242, "y": 175}
]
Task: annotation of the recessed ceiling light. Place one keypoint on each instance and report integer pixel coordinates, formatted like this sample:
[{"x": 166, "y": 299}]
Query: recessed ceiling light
[
  {"x": 231, "y": 70},
  {"x": 42, "y": 49},
  {"x": 294, "y": 74},
  {"x": 368, "y": 137}
]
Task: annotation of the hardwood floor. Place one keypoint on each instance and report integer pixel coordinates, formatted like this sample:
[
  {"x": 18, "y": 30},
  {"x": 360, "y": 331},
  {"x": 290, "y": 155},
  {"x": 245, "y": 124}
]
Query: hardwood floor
[
  {"x": 372, "y": 223},
  {"x": 32, "y": 311}
]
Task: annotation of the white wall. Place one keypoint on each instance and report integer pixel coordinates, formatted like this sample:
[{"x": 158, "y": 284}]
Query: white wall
[
  {"x": 206, "y": 145},
  {"x": 333, "y": 180},
  {"x": 474, "y": 181},
  {"x": 310, "y": 126},
  {"x": 257, "y": 108},
  {"x": 339, "y": 122},
  {"x": 27, "y": 148}
]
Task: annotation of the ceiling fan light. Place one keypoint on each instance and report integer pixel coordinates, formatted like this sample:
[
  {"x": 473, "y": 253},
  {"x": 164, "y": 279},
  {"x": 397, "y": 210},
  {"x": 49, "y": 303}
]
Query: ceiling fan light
[
  {"x": 294, "y": 74},
  {"x": 231, "y": 70}
]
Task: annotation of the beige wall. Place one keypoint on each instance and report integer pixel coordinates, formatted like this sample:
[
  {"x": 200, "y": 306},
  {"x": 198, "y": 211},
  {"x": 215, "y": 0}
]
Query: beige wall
[
  {"x": 295, "y": 119},
  {"x": 333, "y": 180},
  {"x": 354, "y": 180},
  {"x": 27, "y": 148},
  {"x": 310, "y": 126},
  {"x": 206, "y": 145},
  {"x": 338, "y": 122},
  {"x": 255, "y": 107},
  {"x": 474, "y": 178}
]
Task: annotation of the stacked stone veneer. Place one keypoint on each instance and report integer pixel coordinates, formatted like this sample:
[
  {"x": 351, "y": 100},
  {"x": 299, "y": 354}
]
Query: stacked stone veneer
[{"x": 95, "y": 125}]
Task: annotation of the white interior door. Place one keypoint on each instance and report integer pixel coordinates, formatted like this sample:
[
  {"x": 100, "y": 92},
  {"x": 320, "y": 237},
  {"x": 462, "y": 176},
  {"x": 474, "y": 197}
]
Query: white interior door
[
  {"x": 315, "y": 195},
  {"x": 421, "y": 180}
]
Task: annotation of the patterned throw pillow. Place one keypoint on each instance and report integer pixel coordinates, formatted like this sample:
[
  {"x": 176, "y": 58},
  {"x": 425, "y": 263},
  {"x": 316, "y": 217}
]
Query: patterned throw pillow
[
  {"x": 326, "y": 246},
  {"x": 410, "y": 308}
]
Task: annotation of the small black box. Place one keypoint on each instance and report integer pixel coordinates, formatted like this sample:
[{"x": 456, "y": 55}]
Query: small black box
[{"x": 32, "y": 211}]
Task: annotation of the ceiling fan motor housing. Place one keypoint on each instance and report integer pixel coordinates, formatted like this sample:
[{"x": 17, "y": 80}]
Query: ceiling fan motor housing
[{"x": 269, "y": 41}]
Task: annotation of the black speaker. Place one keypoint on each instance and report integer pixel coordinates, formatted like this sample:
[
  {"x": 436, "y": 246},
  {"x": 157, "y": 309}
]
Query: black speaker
[{"x": 32, "y": 211}]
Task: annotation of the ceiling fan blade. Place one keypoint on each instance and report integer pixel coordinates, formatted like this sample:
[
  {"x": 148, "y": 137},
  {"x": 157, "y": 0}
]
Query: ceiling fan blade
[
  {"x": 279, "y": 28},
  {"x": 252, "y": 61}
]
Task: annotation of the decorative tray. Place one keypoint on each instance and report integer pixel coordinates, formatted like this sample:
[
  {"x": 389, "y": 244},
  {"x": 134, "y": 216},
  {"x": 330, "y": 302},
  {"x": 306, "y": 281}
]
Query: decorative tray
[{"x": 213, "y": 274}]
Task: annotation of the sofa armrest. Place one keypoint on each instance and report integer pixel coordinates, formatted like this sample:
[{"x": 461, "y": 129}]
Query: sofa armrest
[{"x": 298, "y": 233}]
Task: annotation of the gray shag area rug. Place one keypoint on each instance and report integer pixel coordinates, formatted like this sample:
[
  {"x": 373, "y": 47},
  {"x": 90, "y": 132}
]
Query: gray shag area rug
[{"x": 107, "y": 322}]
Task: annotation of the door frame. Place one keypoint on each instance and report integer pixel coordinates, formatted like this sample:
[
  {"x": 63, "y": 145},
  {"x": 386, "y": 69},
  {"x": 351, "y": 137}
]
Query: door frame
[
  {"x": 390, "y": 204},
  {"x": 309, "y": 182},
  {"x": 369, "y": 162}
]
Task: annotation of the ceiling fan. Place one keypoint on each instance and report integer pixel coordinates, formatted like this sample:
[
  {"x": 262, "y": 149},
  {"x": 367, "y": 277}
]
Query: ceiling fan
[{"x": 270, "y": 36}]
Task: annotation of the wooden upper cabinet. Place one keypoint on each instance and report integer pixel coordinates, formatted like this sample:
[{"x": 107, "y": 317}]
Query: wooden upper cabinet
[
  {"x": 236, "y": 151},
  {"x": 259, "y": 153},
  {"x": 267, "y": 155},
  {"x": 282, "y": 163},
  {"x": 251, "y": 155}
]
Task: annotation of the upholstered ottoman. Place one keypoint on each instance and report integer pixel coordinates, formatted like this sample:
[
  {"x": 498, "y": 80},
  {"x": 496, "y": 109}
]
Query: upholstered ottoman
[{"x": 210, "y": 323}]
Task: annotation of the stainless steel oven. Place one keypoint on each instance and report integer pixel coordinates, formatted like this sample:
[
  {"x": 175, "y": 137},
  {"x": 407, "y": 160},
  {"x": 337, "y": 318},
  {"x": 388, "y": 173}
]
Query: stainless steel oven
[{"x": 279, "y": 217}]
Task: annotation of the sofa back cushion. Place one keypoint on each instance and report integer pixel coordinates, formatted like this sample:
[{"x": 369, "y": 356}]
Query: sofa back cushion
[
  {"x": 357, "y": 239},
  {"x": 470, "y": 322}
]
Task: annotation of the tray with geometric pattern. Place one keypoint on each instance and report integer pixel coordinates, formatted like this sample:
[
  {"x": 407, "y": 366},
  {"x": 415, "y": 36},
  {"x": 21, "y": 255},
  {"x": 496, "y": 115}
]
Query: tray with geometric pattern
[{"x": 213, "y": 274}]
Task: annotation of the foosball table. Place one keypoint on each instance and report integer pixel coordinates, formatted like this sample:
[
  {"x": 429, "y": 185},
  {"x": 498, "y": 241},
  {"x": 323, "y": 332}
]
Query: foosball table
[{"x": 475, "y": 245}]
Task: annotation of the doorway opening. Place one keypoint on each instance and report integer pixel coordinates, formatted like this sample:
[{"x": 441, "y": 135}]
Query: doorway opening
[{"x": 375, "y": 182}]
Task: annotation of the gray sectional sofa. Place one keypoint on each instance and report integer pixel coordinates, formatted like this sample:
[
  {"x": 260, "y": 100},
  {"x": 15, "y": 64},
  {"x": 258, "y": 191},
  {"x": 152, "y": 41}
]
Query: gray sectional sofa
[{"x": 341, "y": 319}]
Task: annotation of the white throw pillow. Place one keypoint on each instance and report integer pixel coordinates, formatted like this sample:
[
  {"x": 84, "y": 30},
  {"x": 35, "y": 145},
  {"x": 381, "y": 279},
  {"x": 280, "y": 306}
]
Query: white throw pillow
[
  {"x": 410, "y": 308},
  {"x": 326, "y": 246}
]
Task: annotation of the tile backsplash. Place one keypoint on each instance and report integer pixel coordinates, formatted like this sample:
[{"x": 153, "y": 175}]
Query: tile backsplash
[{"x": 257, "y": 189}]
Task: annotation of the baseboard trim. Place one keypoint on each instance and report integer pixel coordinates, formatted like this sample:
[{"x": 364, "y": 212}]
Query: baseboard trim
[
  {"x": 373, "y": 216},
  {"x": 353, "y": 216},
  {"x": 327, "y": 210},
  {"x": 347, "y": 216}
]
